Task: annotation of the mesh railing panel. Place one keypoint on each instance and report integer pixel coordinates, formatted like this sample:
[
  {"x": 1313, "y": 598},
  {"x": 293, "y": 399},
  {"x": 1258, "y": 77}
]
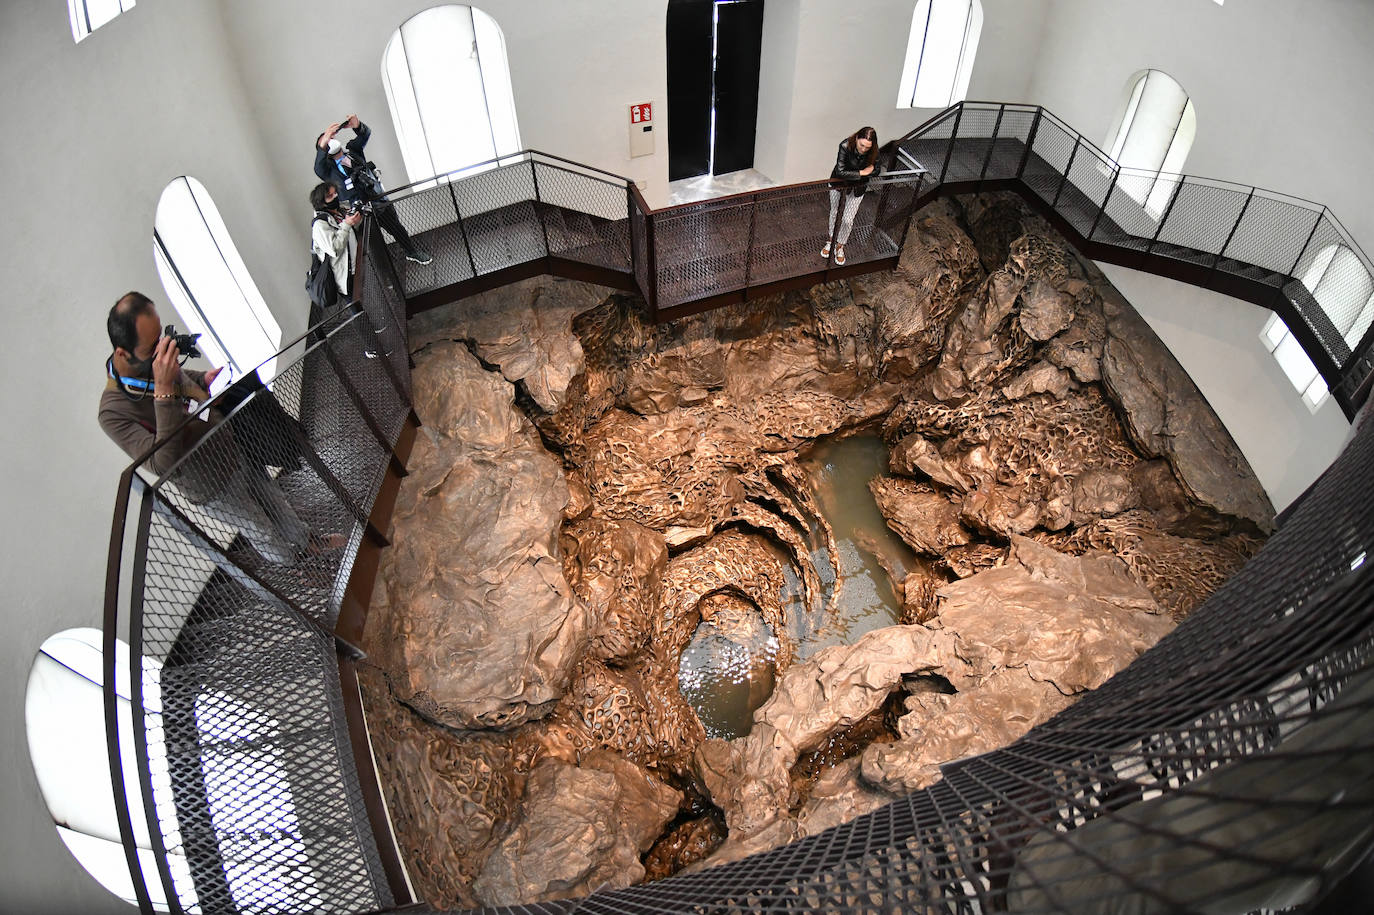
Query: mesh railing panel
[
  {"x": 1013, "y": 133},
  {"x": 1340, "y": 283},
  {"x": 383, "y": 301},
  {"x": 253, "y": 791},
  {"x": 1126, "y": 221},
  {"x": 789, "y": 229},
  {"x": 1090, "y": 180},
  {"x": 1051, "y": 150},
  {"x": 1271, "y": 234},
  {"x": 584, "y": 217},
  {"x": 701, "y": 249},
  {"x": 1202, "y": 216},
  {"x": 262, "y": 512},
  {"x": 500, "y": 217}
]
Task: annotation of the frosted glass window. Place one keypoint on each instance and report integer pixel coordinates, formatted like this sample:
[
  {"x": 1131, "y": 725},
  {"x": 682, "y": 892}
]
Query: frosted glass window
[
  {"x": 447, "y": 81},
  {"x": 1344, "y": 289},
  {"x": 939, "y": 53},
  {"x": 209, "y": 285},
  {"x": 1151, "y": 138},
  {"x": 1294, "y": 361},
  {"x": 65, "y": 720},
  {"x": 89, "y": 15}
]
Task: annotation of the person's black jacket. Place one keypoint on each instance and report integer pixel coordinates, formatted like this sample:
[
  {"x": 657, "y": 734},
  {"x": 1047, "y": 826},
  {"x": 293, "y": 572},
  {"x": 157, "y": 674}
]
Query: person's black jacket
[
  {"x": 848, "y": 163},
  {"x": 328, "y": 170}
]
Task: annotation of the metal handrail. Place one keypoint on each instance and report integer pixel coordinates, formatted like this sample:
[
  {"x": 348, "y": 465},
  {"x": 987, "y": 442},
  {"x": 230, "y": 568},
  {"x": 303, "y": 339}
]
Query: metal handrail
[
  {"x": 515, "y": 158},
  {"x": 1317, "y": 340}
]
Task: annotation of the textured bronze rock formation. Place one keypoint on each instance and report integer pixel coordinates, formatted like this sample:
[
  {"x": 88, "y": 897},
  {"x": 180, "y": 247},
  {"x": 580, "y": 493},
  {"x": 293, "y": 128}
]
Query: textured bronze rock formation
[{"x": 590, "y": 487}]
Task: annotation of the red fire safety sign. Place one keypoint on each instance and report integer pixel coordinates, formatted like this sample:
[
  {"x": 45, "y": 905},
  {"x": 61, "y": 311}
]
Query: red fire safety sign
[{"x": 642, "y": 113}]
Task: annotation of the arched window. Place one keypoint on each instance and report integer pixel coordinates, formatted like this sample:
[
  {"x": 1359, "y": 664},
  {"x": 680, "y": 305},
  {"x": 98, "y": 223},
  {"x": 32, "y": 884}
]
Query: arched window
[
  {"x": 1154, "y": 130},
  {"x": 89, "y": 15},
  {"x": 448, "y": 84},
  {"x": 65, "y": 719},
  {"x": 939, "y": 53},
  {"x": 1339, "y": 282},
  {"x": 208, "y": 284}
]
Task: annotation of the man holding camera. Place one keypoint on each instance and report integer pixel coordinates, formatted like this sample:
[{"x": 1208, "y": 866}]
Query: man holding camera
[
  {"x": 147, "y": 389},
  {"x": 346, "y": 167},
  {"x": 145, "y": 403}
]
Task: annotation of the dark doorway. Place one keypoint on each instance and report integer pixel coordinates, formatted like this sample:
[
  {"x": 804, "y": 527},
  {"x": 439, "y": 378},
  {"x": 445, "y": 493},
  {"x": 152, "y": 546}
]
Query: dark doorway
[{"x": 713, "y": 85}]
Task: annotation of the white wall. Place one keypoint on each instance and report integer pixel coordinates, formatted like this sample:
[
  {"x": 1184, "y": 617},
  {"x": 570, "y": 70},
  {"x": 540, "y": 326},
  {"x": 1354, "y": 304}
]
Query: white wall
[
  {"x": 94, "y": 132},
  {"x": 576, "y": 67},
  {"x": 829, "y": 67}
]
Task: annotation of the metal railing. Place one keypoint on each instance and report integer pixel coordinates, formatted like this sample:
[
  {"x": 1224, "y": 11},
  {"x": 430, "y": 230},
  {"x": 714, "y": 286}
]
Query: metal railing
[
  {"x": 1228, "y": 768},
  {"x": 229, "y": 750},
  {"x": 1271, "y": 249},
  {"x": 548, "y": 214}
]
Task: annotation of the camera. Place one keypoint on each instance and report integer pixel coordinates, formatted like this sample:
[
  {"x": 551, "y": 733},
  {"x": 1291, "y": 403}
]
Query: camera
[{"x": 186, "y": 343}]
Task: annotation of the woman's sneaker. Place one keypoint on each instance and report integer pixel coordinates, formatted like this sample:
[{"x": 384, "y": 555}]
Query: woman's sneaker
[{"x": 419, "y": 256}]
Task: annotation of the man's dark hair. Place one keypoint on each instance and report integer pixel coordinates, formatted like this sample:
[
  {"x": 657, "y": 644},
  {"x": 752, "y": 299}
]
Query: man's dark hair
[
  {"x": 122, "y": 324},
  {"x": 319, "y": 195}
]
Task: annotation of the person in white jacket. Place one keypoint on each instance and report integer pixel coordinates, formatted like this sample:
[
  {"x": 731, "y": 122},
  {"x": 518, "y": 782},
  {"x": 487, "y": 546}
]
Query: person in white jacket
[{"x": 332, "y": 238}]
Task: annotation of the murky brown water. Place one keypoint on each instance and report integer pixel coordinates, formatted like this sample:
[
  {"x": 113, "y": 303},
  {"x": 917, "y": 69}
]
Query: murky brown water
[{"x": 727, "y": 669}]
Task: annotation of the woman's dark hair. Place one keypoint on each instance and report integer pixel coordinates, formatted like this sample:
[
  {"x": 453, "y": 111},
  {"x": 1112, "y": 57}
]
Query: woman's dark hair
[
  {"x": 319, "y": 196},
  {"x": 866, "y": 133}
]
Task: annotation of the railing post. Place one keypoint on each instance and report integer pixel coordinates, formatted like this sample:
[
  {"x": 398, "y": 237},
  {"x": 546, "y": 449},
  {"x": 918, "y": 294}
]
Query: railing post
[
  {"x": 906, "y": 222},
  {"x": 538, "y": 208},
  {"x": 652, "y": 232},
  {"x": 1030, "y": 141},
  {"x": 630, "y": 222},
  {"x": 1169, "y": 208},
  {"x": 749, "y": 249},
  {"x": 1105, "y": 200},
  {"x": 992, "y": 143},
  {"x": 1064, "y": 178},
  {"x": 1229, "y": 235},
  {"x": 953, "y": 135},
  {"x": 462, "y": 230}
]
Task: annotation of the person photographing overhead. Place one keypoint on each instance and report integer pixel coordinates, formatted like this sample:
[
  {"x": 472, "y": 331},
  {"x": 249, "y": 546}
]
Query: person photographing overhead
[{"x": 345, "y": 166}]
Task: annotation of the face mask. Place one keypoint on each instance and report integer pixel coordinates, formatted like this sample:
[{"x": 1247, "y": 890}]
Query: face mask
[{"x": 332, "y": 204}]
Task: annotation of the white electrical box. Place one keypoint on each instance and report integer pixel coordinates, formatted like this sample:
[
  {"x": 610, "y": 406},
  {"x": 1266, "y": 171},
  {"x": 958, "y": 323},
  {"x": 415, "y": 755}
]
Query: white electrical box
[{"x": 641, "y": 129}]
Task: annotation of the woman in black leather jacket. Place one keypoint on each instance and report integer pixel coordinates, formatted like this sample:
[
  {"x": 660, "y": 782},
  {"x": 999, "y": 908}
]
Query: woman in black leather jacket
[{"x": 855, "y": 162}]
